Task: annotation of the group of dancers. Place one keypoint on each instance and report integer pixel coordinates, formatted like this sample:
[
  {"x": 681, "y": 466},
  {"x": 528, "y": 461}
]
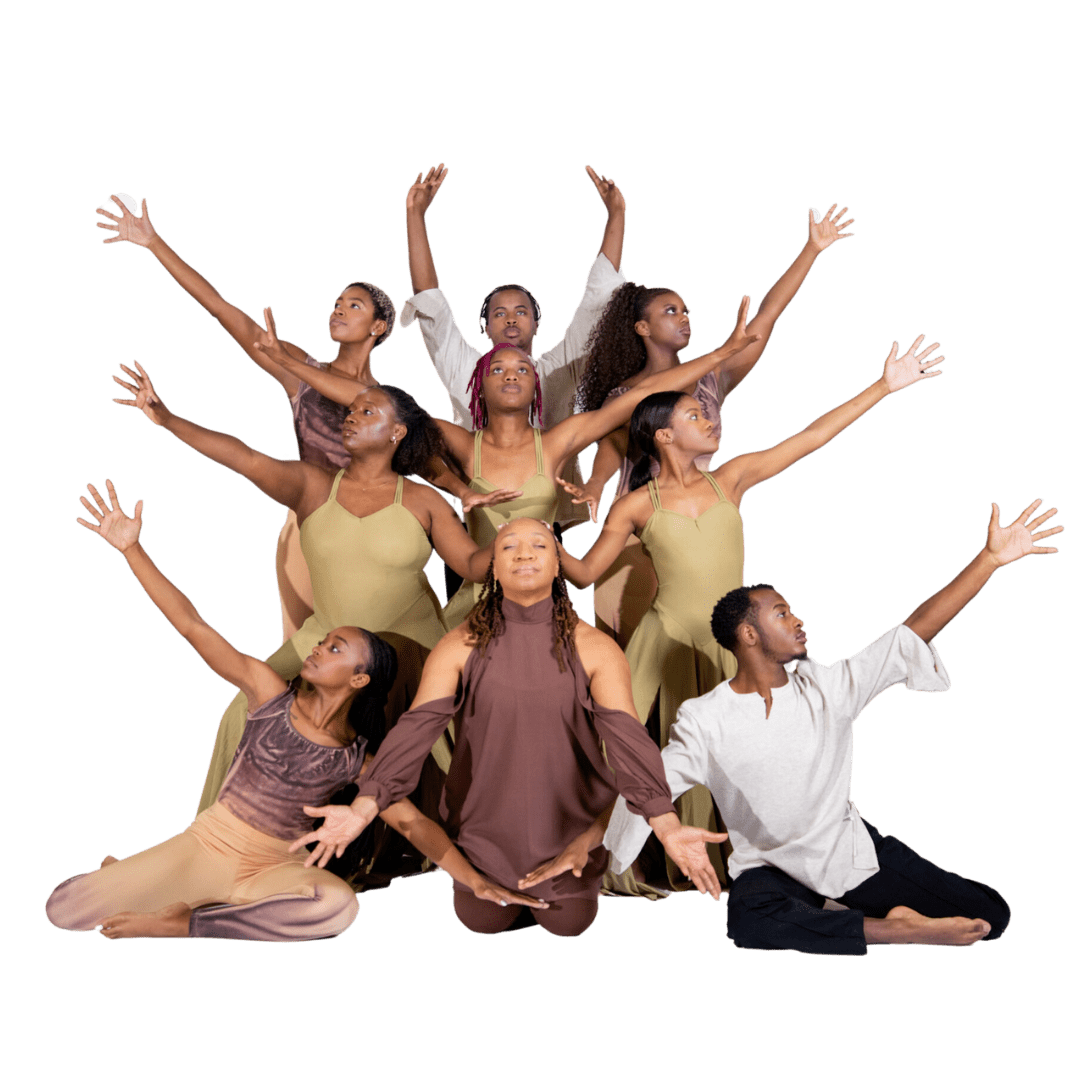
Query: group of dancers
[{"x": 531, "y": 755}]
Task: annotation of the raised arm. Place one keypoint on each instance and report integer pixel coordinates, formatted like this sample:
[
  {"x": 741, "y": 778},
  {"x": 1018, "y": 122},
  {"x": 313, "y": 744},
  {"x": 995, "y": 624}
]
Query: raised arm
[
  {"x": 452, "y": 543},
  {"x": 256, "y": 679},
  {"x": 1003, "y": 545},
  {"x": 244, "y": 330},
  {"x": 621, "y": 521},
  {"x": 286, "y": 482},
  {"x": 822, "y": 234},
  {"x": 276, "y": 354},
  {"x": 615, "y": 226},
  {"x": 576, "y": 432},
  {"x": 421, "y": 263},
  {"x": 610, "y": 451},
  {"x": 742, "y": 473}
]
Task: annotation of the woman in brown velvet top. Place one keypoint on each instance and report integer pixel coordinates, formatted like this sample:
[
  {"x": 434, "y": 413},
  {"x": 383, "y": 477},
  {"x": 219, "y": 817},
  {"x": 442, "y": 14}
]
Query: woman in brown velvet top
[
  {"x": 231, "y": 872},
  {"x": 532, "y": 691}
]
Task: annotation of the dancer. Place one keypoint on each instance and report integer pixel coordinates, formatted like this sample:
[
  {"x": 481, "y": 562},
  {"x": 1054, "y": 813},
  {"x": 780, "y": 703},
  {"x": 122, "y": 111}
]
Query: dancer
[
  {"x": 775, "y": 751},
  {"x": 641, "y": 332},
  {"x": 510, "y": 463},
  {"x": 230, "y": 874},
  {"x": 690, "y": 525},
  {"x": 532, "y": 691},
  {"x": 510, "y": 314},
  {"x": 366, "y": 533},
  {"x": 362, "y": 318}
]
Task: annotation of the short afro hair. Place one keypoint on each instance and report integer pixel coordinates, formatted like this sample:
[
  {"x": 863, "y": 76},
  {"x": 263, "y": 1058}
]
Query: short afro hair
[
  {"x": 486, "y": 302},
  {"x": 385, "y": 307},
  {"x": 731, "y": 611}
]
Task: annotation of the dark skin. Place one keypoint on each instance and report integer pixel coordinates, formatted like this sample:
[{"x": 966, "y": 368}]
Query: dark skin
[{"x": 772, "y": 635}]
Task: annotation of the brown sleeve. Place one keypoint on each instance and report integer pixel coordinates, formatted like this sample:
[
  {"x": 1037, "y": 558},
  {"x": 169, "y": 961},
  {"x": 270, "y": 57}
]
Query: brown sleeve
[
  {"x": 635, "y": 760},
  {"x": 395, "y": 771}
]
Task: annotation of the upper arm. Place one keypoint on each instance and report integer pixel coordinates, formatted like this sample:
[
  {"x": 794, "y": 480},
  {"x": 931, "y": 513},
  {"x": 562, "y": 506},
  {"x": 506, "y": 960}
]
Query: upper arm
[
  {"x": 603, "y": 280},
  {"x": 686, "y": 756},
  {"x": 618, "y": 526},
  {"x": 452, "y": 543},
  {"x": 454, "y": 358},
  {"x": 256, "y": 679},
  {"x": 443, "y": 668},
  {"x": 609, "y": 673},
  {"x": 741, "y": 473},
  {"x": 459, "y": 443}
]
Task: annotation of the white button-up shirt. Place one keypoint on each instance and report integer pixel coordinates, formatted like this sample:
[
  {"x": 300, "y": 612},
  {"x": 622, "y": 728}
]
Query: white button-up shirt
[
  {"x": 560, "y": 368},
  {"x": 782, "y": 783}
]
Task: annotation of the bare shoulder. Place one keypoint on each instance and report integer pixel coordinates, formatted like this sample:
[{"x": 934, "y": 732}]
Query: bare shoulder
[
  {"x": 455, "y": 645},
  {"x": 595, "y": 648},
  {"x": 633, "y": 507}
]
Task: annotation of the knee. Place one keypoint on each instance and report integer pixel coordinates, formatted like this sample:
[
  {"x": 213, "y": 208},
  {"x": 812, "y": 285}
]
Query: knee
[
  {"x": 567, "y": 919},
  {"x": 64, "y": 907},
  {"x": 996, "y": 913},
  {"x": 751, "y": 915},
  {"x": 340, "y": 907}
]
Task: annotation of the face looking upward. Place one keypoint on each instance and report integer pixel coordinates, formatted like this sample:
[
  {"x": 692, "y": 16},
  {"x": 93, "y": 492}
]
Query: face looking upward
[
  {"x": 779, "y": 630},
  {"x": 688, "y": 429},
  {"x": 371, "y": 423},
  {"x": 666, "y": 322},
  {"x": 525, "y": 558},
  {"x": 354, "y": 318},
  {"x": 510, "y": 320},
  {"x": 333, "y": 662},
  {"x": 510, "y": 382}
]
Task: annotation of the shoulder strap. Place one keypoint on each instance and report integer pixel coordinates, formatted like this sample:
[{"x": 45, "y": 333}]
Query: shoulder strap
[
  {"x": 538, "y": 446},
  {"x": 398, "y": 490},
  {"x": 716, "y": 486},
  {"x": 333, "y": 490},
  {"x": 654, "y": 494},
  {"x": 476, "y": 470}
]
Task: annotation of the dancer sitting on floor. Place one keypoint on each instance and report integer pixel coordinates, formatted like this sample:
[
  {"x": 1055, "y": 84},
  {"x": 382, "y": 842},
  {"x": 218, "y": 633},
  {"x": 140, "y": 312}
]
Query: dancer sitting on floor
[
  {"x": 231, "y": 874},
  {"x": 775, "y": 751}
]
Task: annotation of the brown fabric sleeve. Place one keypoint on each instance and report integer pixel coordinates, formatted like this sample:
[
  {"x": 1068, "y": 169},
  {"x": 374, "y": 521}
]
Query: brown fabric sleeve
[
  {"x": 635, "y": 760},
  {"x": 395, "y": 771}
]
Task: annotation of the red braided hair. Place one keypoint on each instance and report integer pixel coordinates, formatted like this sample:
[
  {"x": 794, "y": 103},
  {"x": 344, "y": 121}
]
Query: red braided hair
[{"x": 477, "y": 405}]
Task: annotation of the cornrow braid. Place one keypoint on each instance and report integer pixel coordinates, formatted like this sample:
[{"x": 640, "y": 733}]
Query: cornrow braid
[
  {"x": 477, "y": 405},
  {"x": 615, "y": 350},
  {"x": 486, "y": 620},
  {"x": 384, "y": 307}
]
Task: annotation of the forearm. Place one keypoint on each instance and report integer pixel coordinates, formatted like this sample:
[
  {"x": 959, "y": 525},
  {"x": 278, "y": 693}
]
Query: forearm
[
  {"x": 609, "y": 458},
  {"x": 421, "y": 263},
  {"x": 930, "y": 617},
  {"x": 189, "y": 279},
  {"x": 612, "y": 243},
  {"x": 172, "y": 603},
  {"x": 328, "y": 383},
  {"x": 593, "y": 836}
]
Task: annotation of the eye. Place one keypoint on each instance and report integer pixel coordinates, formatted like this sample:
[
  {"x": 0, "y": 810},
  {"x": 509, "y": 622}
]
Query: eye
[{"x": 334, "y": 648}]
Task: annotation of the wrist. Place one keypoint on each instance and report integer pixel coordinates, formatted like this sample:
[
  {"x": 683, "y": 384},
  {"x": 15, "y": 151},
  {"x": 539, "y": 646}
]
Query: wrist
[
  {"x": 663, "y": 825},
  {"x": 987, "y": 561}
]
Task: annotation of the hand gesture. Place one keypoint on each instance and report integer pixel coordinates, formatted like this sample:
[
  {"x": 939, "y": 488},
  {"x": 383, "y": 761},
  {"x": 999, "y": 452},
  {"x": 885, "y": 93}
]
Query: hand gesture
[
  {"x": 825, "y": 231},
  {"x": 739, "y": 338},
  {"x": 146, "y": 397},
  {"x": 269, "y": 346},
  {"x": 488, "y": 890},
  {"x": 607, "y": 190},
  {"x": 424, "y": 189},
  {"x": 342, "y": 826},
  {"x": 138, "y": 230},
  {"x": 581, "y": 495},
  {"x": 686, "y": 846},
  {"x": 1016, "y": 540},
  {"x": 113, "y": 525},
  {"x": 573, "y": 858},
  {"x": 492, "y": 498},
  {"x": 911, "y": 367}
]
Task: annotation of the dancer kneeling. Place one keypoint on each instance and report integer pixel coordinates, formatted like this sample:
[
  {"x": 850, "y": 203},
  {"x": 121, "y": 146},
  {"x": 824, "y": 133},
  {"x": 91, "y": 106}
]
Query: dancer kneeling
[
  {"x": 532, "y": 691},
  {"x": 231, "y": 873},
  {"x": 775, "y": 751}
]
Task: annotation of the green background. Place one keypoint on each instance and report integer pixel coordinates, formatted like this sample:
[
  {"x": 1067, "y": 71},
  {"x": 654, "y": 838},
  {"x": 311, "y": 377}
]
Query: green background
[{"x": 275, "y": 148}]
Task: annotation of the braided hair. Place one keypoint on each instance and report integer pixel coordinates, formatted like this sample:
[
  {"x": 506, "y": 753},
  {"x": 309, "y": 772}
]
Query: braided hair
[
  {"x": 649, "y": 417},
  {"x": 615, "y": 350},
  {"x": 731, "y": 611},
  {"x": 367, "y": 714},
  {"x": 486, "y": 620},
  {"x": 422, "y": 441},
  {"x": 384, "y": 307},
  {"x": 485, "y": 307},
  {"x": 477, "y": 405}
]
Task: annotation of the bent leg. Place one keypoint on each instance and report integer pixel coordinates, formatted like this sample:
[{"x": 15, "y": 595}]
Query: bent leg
[
  {"x": 567, "y": 918},
  {"x": 485, "y": 917},
  {"x": 769, "y": 910},
  {"x": 906, "y": 879}
]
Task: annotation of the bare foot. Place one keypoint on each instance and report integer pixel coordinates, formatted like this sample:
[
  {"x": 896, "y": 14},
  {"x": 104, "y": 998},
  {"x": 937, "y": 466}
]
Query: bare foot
[
  {"x": 109, "y": 859},
  {"x": 171, "y": 921},
  {"x": 905, "y": 925}
]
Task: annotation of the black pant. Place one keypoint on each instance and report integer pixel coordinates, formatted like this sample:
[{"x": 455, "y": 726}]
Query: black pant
[{"x": 769, "y": 910}]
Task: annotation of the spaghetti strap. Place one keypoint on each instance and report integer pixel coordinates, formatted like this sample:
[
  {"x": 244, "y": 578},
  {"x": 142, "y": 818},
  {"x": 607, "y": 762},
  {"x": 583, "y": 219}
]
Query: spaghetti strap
[
  {"x": 476, "y": 469},
  {"x": 654, "y": 494},
  {"x": 716, "y": 486},
  {"x": 398, "y": 490},
  {"x": 538, "y": 446},
  {"x": 333, "y": 490}
]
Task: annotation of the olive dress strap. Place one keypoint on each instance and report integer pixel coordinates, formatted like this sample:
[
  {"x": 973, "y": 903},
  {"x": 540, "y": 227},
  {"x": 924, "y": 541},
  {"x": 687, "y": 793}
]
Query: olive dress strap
[
  {"x": 476, "y": 470},
  {"x": 716, "y": 486},
  {"x": 654, "y": 494},
  {"x": 333, "y": 490},
  {"x": 538, "y": 446},
  {"x": 398, "y": 490}
]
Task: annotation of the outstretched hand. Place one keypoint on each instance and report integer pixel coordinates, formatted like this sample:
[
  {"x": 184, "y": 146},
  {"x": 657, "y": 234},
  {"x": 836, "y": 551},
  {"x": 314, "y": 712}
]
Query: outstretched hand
[
  {"x": 829, "y": 228},
  {"x": 425, "y": 188},
  {"x": 580, "y": 495},
  {"x": 686, "y": 847},
  {"x": 488, "y": 890},
  {"x": 611, "y": 195},
  {"x": 491, "y": 498},
  {"x": 1006, "y": 545},
  {"x": 342, "y": 825},
  {"x": 146, "y": 397},
  {"x": 138, "y": 230},
  {"x": 911, "y": 367},
  {"x": 112, "y": 524},
  {"x": 739, "y": 338}
]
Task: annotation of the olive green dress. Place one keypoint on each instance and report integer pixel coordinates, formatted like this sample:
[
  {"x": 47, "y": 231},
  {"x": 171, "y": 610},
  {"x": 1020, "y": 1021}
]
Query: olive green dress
[
  {"x": 538, "y": 499},
  {"x": 366, "y": 572},
  {"x": 673, "y": 655}
]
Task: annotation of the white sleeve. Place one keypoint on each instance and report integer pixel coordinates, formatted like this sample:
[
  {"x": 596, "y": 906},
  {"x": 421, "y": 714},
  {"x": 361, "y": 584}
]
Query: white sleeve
[
  {"x": 898, "y": 656},
  {"x": 686, "y": 761},
  {"x": 454, "y": 358}
]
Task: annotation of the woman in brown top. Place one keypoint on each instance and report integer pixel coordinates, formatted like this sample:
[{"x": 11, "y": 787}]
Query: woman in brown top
[
  {"x": 532, "y": 691},
  {"x": 231, "y": 873},
  {"x": 362, "y": 317}
]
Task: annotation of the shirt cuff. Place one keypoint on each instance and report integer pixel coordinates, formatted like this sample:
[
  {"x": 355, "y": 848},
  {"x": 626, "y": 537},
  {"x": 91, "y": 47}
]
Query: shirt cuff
[
  {"x": 925, "y": 671},
  {"x": 372, "y": 789},
  {"x": 429, "y": 303}
]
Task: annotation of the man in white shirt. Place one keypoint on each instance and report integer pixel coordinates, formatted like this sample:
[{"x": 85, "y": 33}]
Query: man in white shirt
[
  {"x": 511, "y": 314},
  {"x": 775, "y": 751}
]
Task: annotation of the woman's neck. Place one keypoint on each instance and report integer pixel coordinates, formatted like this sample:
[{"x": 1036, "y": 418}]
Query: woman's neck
[
  {"x": 353, "y": 361},
  {"x": 371, "y": 468},
  {"x": 659, "y": 358},
  {"x": 508, "y": 429}
]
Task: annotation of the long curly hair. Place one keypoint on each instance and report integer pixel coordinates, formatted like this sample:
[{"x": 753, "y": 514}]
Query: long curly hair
[
  {"x": 384, "y": 307},
  {"x": 486, "y": 620},
  {"x": 477, "y": 405},
  {"x": 615, "y": 350},
  {"x": 649, "y": 417},
  {"x": 422, "y": 441}
]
